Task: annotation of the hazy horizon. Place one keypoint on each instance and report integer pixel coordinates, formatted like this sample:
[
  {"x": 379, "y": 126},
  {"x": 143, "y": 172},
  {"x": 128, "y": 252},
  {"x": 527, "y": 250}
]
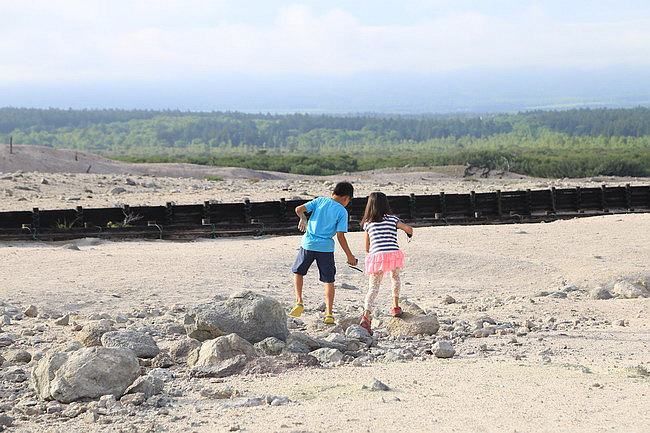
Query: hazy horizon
[{"x": 421, "y": 56}]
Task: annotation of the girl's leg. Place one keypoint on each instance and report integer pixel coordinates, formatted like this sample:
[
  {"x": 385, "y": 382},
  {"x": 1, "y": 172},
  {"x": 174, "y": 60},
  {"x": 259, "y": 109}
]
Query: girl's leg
[
  {"x": 396, "y": 285},
  {"x": 373, "y": 289}
]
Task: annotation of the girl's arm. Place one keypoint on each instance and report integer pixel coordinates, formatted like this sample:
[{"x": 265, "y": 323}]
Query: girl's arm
[
  {"x": 407, "y": 228},
  {"x": 367, "y": 242}
]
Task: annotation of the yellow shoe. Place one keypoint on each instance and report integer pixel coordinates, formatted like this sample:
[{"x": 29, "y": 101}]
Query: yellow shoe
[
  {"x": 329, "y": 319},
  {"x": 297, "y": 310}
]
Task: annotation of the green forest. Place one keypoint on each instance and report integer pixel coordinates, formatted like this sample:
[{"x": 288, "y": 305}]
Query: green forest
[{"x": 571, "y": 143}]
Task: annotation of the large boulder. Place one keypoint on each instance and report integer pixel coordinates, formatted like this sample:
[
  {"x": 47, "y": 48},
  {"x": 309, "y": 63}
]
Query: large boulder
[
  {"x": 181, "y": 349},
  {"x": 411, "y": 325},
  {"x": 252, "y": 316},
  {"x": 86, "y": 373},
  {"x": 630, "y": 290},
  {"x": 141, "y": 344},
  {"x": 212, "y": 352}
]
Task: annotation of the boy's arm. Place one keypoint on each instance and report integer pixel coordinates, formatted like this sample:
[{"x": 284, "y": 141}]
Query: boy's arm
[
  {"x": 407, "y": 228},
  {"x": 340, "y": 236},
  {"x": 300, "y": 211}
]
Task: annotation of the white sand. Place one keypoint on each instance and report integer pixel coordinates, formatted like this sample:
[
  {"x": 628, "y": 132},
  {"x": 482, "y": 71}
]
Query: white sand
[{"x": 584, "y": 385}]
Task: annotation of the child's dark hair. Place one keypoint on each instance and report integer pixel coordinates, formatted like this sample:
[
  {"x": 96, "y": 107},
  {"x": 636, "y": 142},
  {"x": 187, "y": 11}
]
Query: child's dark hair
[
  {"x": 376, "y": 207},
  {"x": 344, "y": 188}
]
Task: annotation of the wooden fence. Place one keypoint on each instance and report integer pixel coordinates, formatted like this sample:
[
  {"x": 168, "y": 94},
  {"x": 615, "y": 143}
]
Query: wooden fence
[{"x": 277, "y": 217}]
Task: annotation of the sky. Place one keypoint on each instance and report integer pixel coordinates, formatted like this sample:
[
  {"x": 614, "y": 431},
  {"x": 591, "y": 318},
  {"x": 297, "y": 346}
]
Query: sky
[{"x": 355, "y": 55}]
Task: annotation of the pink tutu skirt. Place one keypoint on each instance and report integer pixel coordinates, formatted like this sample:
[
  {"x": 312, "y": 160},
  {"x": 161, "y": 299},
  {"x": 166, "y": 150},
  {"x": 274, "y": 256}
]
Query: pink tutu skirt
[{"x": 384, "y": 262}]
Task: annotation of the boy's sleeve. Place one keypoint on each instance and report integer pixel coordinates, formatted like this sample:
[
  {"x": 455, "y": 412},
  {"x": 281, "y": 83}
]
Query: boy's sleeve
[
  {"x": 342, "y": 222},
  {"x": 310, "y": 205}
]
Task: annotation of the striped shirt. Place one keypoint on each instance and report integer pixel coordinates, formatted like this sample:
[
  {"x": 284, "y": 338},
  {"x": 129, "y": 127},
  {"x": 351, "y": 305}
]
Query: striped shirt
[{"x": 383, "y": 235}]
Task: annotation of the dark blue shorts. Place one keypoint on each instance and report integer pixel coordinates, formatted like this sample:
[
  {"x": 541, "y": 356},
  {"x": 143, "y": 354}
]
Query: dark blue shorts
[{"x": 324, "y": 261}]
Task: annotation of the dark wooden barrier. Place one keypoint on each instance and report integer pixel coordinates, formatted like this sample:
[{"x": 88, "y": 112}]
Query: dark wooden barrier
[{"x": 278, "y": 217}]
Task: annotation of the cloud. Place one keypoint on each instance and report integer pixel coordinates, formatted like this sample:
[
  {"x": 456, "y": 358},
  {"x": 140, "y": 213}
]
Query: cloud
[{"x": 167, "y": 39}]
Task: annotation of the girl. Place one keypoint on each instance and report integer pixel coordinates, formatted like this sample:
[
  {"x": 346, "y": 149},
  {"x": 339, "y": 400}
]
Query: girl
[{"x": 384, "y": 253}]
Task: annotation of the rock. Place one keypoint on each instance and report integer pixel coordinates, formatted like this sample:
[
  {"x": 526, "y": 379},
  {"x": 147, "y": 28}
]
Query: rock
[
  {"x": 162, "y": 360},
  {"x": 121, "y": 318},
  {"x": 270, "y": 346},
  {"x": 600, "y": 293},
  {"x": 181, "y": 349},
  {"x": 411, "y": 325},
  {"x": 31, "y": 311},
  {"x": 630, "y": 290},
  {"x": 135, "y": 399},
  {"x": 411, "y": 307},
  {"x": 118, "y": 190},
  {"x": 222, "y": 348},
  {"x": 376, "y": 385},
  {"x": 148, "y": 385},
  {"x": 14, "y": 375},
  {"x": 224, "y": 368},
  {"x": 19, "y": 356},
  {"x": 279, "y": 364},
  {"x": 558, "y": 295},
  {"x": 297, "y": 347},
  {"x": 86, "y": 373},
  {"x": 443, "y": 349},
  {"x": 175, "y": 329},
  {"x": 91, "y": 334},
  {"x": 63, "y": 321},
  {"x": 6, "y": 420},
  {"x": 312, "y": 343},
  {"x": 448, "y": 300},
  {"x": 141, "y": 344},
  {"x": 252, "y": 316},
  {"x": 325, "y": 354},
  {"x": 70, "y": 247},
  {"x": 162, "y": 374},
  {"x": 109, "y": 402},
  {"x": 358, "y": 333}
]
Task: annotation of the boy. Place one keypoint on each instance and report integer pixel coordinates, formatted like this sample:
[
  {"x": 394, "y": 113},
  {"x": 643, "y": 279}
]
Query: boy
[{"x": 328, "y": 218}]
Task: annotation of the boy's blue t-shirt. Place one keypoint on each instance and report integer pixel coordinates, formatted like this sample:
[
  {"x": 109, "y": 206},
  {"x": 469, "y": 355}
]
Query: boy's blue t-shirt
[{"x": 327, "y": 217}]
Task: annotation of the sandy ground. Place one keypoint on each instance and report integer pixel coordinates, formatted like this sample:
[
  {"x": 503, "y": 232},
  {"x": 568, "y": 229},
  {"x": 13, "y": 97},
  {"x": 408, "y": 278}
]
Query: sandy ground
[
  {"x": 497, "y": 270},
  {"x": 583, "y": 374}
]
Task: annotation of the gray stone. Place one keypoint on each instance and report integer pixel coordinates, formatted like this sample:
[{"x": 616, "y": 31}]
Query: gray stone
[
  {"x": 224, "y": 368},
  {"x": 443, "y": 349},
  {"x": 270, "y": 346},
  {"x": 448, "y": 300},
  {"x": 31, "y": 311},
  {"x": 91, "y": 334},
  {"x": 63, "y": 321},
  {"x": 358, "y": 333},
  {"x": 376, "y": 385},
  {"x": 325, "y": 354},
  {"x": 279, "y": 364},
  {"x": 19, "y": 356},
  {"x": 6, "y": 420},
  {"x": 181, "y": 349},
  {"x": 121, "y": 318},
  {"x": 86, "y": 373},
  {"x": 135, "y": 399},
  {"x": 314, "y": 343},
  {"x": 297, "y": 347},
  {"x": 162, "y": 360},
  {"x": 14, "y": 375},
  {"x": 630, "y": 290},
  {"x": 411, "y": 325},
  {"x": 252, "y": 316},
  {"x": 600, "y": 293},
  {"x": 118, "y": 190},
  {"x": 222, "y": 348},
  {"x": 148, "y": 385},
  {"x": 142, "y": 345},
  {"x": 162, "y": 374}
]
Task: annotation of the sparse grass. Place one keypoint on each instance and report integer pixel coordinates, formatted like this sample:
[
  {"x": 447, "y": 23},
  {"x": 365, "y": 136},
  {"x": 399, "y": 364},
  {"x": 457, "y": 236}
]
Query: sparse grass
[
  {"x": 254, "y": 179},
  {"x": 470, "y": 179},
  {"x": 65, "y": 224},
  {"x": 213, "y": 178}
]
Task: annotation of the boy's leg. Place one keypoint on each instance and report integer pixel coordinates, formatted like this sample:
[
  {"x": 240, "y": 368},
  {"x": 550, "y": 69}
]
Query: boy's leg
[
  {"x": 329, "y": 298},
  {"x": 297, "y": 285}
]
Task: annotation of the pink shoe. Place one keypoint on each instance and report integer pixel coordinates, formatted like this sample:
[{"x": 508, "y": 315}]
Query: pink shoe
[
  {"x": 396, "y": 312},
  {"x": 365, "y": 324}
]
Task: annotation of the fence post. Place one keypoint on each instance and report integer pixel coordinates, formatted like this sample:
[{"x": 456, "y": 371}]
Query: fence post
[
  {"x": 603, "y": 201},
  {"x": 553, "y": 205},
  {"x": 80, "y": 215},
  {"x": 499, "y": 204},
  {"x": 578, "y": 199},
  {"x": 206, "y": 210},
  {"x": 443, "y": 205},
  {"x": 628, "y": 197},
  {"x": 412, "y": 208},
  {"x": 169, "y": 213},
  {"x": 11, "y": 144},
  {"x": 283, "y": 209},
  {"x": 36, "y": 219},
  {"x": 247, "y": 210}
]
